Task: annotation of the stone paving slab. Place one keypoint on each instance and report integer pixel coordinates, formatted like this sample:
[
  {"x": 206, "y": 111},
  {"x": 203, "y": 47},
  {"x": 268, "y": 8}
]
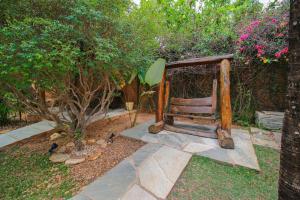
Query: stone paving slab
[
  {"x": 242, "y": 155},
  {"x": 25, "y": 132},
  {"x": 265, "y": 138},
  {"x": 148, "y": 174},
  {"x": 45, "y": 126},
  {"x": 137, "y": 193},
  {"x": 113, "y": 185},
  {"x": 6, "y": 140}
]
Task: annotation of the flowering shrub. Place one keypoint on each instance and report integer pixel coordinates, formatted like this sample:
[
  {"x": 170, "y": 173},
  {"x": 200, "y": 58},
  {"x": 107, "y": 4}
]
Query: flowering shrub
[{"x": 265, "y": 39}]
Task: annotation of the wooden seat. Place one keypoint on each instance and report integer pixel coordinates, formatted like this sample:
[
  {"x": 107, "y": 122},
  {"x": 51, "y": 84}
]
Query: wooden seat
[{"x": 196, "y": 108}]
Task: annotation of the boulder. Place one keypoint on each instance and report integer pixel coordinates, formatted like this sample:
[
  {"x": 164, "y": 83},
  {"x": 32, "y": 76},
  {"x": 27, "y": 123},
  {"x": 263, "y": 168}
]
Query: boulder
[
  {"x": 59, "y": 157},
  {"x": 269, "y": 119},
  {"x": 74, "y": 161}
]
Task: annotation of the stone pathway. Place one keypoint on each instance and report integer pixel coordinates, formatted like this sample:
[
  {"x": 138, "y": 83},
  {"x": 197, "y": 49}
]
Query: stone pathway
[
  {"x": 152, "y": 171},
  {"x": 149, "y": 174},
  {"x": 266, "y": 138},
  {"x": 45, "y": 126},
  {"x": 25, "y": 132},
  {"x": 242, "y": 155}
]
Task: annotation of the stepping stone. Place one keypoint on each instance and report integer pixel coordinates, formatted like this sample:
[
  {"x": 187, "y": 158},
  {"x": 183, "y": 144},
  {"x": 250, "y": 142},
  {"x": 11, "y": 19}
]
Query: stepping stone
[
  {"x": 138, "y": 131},
  {"x": 159, "y": 172},
  {"x": 137, "y": 193},
  {"x": 113, "y": 185},
  {"x": 197, "y": 147},
  {"x": 74, "y": 161},
  {"x": 171, "y": 161},
  {"x": 5, "y": 139},
  {"x": 143, "y": 153},
  {"x": 59, "y": 157},
  {"x": 153, "y": 178}
]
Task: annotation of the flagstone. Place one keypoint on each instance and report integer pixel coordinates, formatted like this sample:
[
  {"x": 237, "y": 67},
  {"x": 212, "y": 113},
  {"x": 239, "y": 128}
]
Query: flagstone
[
  {"x": 171, "y": 161},
  {"x": 113, "y": 185},
  {"x": 137, "y": 193},
  {"x": 143, "y": 153},
  {"x": 197, "y": 147},
  {"x": 153, "y": 178},
  {"x": 6, "y": 140}
]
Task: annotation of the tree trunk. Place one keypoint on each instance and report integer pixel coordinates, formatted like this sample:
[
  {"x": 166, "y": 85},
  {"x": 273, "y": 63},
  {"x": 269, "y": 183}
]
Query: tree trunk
[{"x": 289, "y": 177}]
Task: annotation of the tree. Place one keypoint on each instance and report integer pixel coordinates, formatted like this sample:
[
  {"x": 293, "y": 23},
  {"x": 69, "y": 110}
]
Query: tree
[
  {"x": 289, "y": 179},
  {"x": 78, "y": 56}
]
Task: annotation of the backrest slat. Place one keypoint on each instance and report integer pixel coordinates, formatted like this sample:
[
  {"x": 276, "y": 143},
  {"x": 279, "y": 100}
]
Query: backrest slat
[
  {"x": 207, "y": 101},
  {"x": 191, "y": 109}
]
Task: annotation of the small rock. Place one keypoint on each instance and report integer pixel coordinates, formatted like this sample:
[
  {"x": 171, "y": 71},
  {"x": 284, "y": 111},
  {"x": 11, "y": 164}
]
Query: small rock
[
  {"x": 83, "y": 142},
  {"x": 95, "y": 156},
  {"x": 59, "y": 157},
  {"x": 62, "y": 149},
  {"x": 74, "y": 161},
  {"x": 102, "y": 143},
  {"x": 91, "y": 141},
  {"x": 55, "y": 136},
  {"x": 70, "y": 145}
]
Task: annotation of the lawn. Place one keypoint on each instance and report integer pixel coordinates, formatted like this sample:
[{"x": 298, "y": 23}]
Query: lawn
[
  {"x": 33, "y": 176},
  {"x": 207, "y": 179}
]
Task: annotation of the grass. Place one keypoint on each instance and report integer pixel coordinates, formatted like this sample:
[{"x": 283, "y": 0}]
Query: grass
[
  {"x": 206, "y": 179},
  {"x": 33, "y": 176}
]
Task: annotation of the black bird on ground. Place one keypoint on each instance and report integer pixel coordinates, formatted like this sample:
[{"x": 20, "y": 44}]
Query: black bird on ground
[
  {"x": 52, "y": 148},
  {"x": 111, "y": 138}
]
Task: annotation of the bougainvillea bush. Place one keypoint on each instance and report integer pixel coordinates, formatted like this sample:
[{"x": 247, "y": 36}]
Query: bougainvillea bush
[{"x": 265, "y": 40}]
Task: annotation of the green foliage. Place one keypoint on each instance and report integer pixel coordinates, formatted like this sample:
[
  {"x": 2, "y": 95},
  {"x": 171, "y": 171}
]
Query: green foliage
[
  {"x": 4, "y": 113},
  {"x": 155, "y": 72}
]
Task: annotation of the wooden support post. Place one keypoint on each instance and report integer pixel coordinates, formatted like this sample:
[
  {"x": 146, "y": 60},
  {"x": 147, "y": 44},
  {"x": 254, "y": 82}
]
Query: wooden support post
[
  {"x": 167, "y": 94},
  {"x": 160, "y": 99},
  {"x": 224, "y": 133},
  {"x": 157, "y": 127}
]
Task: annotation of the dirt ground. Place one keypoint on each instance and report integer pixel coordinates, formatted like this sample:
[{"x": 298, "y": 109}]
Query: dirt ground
[{"x": 113, "y": 153}]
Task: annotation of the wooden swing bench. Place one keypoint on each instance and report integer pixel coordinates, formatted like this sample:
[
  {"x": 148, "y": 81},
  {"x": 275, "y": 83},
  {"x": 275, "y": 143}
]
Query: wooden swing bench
[{"x": 197, "y": 108}]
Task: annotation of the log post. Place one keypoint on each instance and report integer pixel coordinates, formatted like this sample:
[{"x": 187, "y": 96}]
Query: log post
[
  {"x": 156, "y": 128},
  {"x": 224, "y": 135},
  {"x": 160, "y": 99},
  {"x": 167, "y": 94}
]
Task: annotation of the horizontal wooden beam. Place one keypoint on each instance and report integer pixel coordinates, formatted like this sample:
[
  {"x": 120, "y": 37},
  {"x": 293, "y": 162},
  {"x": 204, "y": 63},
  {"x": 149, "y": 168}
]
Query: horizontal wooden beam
[
  {"x": 191, "y": 109},
  {"x": 198, "y": 61},
  {"x": 206, "y": 101},
  {"x": 190, "y": 132},
  {"x": 191, "y": 116}
]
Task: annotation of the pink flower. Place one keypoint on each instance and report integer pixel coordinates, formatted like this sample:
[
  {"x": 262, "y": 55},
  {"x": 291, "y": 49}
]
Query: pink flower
[
  {"x": 279, "y": 35},
  {"x": 242, "y": 49},
  {"x": 244, "y": 37},
  {"x": 255, "y": 23},
  {"x": 281, "y": 52},
  {"x": 274, "y": 20},
  {"x": 277, "y": 55}
]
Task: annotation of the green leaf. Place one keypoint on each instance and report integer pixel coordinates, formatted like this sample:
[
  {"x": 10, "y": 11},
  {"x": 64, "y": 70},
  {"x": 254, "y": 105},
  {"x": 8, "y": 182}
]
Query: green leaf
[{"x": 155, "y": 72}]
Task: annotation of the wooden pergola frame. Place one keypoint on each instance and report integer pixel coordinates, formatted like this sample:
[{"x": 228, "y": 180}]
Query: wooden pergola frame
[{"x": 224, "y": 129}]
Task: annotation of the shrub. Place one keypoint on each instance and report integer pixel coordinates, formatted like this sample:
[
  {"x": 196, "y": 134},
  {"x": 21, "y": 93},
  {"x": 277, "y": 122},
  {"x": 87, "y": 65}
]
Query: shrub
[{"x": 265, "y": 39}]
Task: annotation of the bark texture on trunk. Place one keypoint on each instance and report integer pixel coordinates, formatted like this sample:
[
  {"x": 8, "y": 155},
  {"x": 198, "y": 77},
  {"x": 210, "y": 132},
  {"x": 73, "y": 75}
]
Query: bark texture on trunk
[{"x": 289, "y": 178}]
